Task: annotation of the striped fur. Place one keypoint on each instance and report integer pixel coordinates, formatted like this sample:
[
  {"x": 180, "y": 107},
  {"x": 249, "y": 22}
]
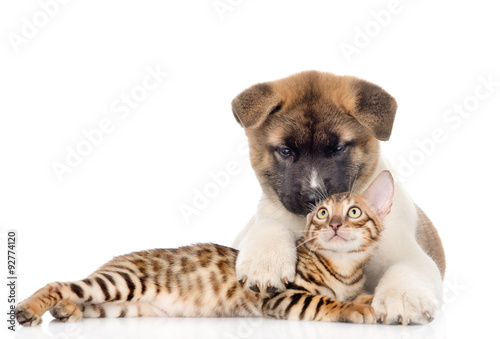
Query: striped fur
[{"x": 200, "y": 280}]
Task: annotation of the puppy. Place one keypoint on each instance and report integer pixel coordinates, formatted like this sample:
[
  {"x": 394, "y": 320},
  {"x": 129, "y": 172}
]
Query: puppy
[{"x": 314, "y": 134}]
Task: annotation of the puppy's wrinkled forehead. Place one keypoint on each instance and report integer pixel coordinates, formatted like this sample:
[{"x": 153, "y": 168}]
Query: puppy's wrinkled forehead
[
  {"x": 307, "y": 123},
  {"x": 321, "y": 101}
]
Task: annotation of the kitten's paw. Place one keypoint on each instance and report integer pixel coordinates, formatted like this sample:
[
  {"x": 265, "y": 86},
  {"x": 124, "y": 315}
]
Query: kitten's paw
[
  {"x": 399, "y": 306},
  {"x": 66, "y": 311},
  {"x": 363, "y": 299},
  {"x": 359, "y": 314},
  {"x": 27, "y": 314},
  {"x": 266, "y": 268}
]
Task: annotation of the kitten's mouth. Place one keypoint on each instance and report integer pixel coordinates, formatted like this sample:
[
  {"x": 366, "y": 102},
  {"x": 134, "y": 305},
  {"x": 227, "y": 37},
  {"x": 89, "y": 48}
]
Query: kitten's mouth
[{"x": 337, "y": 237}]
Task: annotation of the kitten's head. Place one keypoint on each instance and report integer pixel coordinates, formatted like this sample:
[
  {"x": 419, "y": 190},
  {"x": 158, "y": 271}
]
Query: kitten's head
[{"x": 351, "y": 222}]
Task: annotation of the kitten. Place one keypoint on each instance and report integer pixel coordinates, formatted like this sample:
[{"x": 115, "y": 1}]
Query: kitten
[{"x": 200, "y": 281}]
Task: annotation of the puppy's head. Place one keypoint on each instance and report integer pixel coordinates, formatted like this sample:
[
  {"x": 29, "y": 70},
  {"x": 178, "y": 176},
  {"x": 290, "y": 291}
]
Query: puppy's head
[{"x": 314, "y": 134}]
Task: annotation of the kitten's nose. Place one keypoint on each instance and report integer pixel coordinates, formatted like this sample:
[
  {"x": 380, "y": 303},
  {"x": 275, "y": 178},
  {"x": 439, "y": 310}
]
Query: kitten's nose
[{"x": 335, "y": 225}]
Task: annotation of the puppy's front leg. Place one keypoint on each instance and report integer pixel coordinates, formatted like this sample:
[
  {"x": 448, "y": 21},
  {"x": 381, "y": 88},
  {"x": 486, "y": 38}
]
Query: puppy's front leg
[
  {"x": 267, "y": 256},
  {"x": 410, "y": 292}
]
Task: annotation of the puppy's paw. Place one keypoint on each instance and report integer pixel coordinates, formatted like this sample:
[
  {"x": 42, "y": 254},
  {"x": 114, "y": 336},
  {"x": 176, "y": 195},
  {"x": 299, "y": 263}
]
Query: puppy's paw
[
  {"x": 400, "y": 307},
  {"x": 266, "y": 274},
  {"x": 267, "y": 266},
  {"x": 408, "y": 300}
]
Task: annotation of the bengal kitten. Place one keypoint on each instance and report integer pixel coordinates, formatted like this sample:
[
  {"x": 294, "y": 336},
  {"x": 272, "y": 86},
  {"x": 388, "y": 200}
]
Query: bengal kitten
[{"x": 200, "y": 280}]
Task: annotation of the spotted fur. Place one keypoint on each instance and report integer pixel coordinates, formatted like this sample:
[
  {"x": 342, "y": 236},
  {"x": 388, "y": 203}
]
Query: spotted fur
[{"x": 200, "y": 280}]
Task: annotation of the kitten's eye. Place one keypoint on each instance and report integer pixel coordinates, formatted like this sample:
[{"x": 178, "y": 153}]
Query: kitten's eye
[
  {"x": 322, "y": 213},
  {"x": 354, "y": 213}
]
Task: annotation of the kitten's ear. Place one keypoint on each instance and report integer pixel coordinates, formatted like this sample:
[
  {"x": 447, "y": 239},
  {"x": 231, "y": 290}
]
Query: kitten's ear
[{"x": 380, "y": 193}]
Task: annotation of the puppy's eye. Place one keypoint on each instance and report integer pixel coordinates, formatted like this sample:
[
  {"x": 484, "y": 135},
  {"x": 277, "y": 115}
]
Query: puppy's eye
[
  {"x": 285, "y": 152},
  {"x": 322, "y": 213},
  {"x": 333, "y": 150},
  {"x": 339, "y": 148},
  {"x": 354, "y": 213}
]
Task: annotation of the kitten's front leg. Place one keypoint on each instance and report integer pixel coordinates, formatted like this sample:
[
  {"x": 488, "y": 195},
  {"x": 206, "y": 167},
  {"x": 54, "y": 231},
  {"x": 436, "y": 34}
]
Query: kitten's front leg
[
  {"x": 29, "y": 312},
  {"x": 267, "y": 256}
]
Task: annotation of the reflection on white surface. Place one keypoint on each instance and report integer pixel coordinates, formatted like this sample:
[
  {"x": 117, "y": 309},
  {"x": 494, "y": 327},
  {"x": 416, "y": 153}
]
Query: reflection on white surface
[{"x": 225, "y": 328}]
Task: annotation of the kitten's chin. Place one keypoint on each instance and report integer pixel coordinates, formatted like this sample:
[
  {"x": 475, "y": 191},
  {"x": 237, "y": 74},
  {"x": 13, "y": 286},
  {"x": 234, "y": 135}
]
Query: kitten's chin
[
  {"x": 339, "y": 244},
  {"x": 338, "y": 241}
]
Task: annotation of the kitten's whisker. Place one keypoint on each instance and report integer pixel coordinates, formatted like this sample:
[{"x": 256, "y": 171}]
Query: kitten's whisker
[
  {"x": 313, "y": 249},
  {"x": 321, "y": 191},
  {"x": 354, "y": 184},
  {"x": 302, "y": 243},
  {"x": 311, "y": 206}
]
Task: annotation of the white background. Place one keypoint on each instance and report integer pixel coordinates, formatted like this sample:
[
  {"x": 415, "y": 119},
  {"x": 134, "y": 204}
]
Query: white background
[{"x": 127, "y": 193}]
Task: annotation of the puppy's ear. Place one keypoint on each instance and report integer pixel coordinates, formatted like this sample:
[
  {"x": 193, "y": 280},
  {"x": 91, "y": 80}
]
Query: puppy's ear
[
  {"x": 252, "y": 106},
  {"x": 374, "y": 108}
]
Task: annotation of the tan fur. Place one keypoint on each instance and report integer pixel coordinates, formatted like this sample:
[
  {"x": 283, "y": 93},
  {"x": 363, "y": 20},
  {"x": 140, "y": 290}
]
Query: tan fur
[
  {"x": 368, "y": 103},
  {"x": 428, "y": 238},
  {"x": 200, "y": 280},
  {"x": 367, "y": 115},
  {"x": 338, "y": 91}
]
